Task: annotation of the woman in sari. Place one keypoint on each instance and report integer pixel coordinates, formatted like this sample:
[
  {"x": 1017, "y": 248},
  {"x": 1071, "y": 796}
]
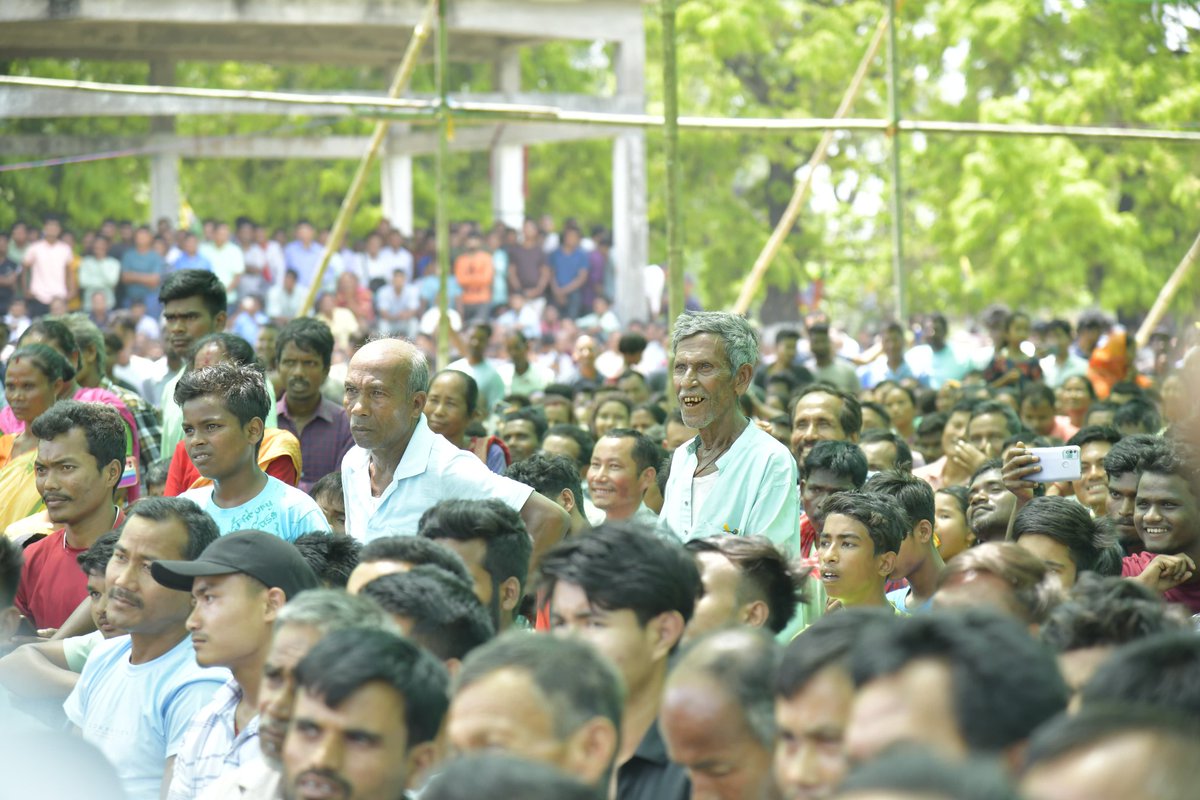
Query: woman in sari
[{"x": 37, "y": 377}]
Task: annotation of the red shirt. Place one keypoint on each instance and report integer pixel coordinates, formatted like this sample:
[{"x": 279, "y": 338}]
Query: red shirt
[
  {"x": 1187, "y": 595},
  {"x": 52, "y": 584}
]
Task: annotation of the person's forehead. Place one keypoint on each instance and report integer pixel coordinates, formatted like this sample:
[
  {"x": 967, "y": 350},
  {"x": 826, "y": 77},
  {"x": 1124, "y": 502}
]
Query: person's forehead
[
  {"x": 819, "y": 404},
  {"x": 1095, "y": 451},
  {"x": 1156, "y": 484},
  {"x": 986, "y": 477},
  {"x": 518, "y": 426},
  {"x": 184, "y": 305},
  {"x": 1125, "y": 483},
  {"x": 557, "y": 443},
  {"x": 701, "y": 345},
  {"x": 614, "y": 448},
  {"x": 449, "y": 383},
  {"x": 828, "y": 479},
  {"x": 507, "y": 696},
  {"x": 71, "y": 444},
  {"x": 292, "y": 349},
  {"x": 842, "y": 525},
  {"x": 705, "y": 714},
  {"x": 991, "y": 419},
  {"x": 153, "y": 539},
  {"x": 374, "y": 706},
  {"x": 206, "y": 406}
]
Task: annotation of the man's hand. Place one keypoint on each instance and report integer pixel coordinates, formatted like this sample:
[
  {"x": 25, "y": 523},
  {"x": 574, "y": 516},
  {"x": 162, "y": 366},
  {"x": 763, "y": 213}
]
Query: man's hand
[
  {"x": 1020, "y": 463},
  {"x": 1166, "y": 572},
  {"x": 966, "y": 456}
]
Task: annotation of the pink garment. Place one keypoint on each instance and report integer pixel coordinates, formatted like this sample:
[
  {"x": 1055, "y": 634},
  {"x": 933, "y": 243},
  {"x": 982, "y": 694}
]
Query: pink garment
[
  {"x": 10, "y": 424},
  {"x": 932, "y": 473},
  {"x": 48, "y": 266},
  {"x": 1063, "y": 428}
]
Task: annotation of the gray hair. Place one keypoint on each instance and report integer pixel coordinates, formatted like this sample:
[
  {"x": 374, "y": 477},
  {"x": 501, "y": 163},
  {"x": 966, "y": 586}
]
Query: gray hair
[
  {"x": 328, "y": 610},
  {"x": 744, "y": 661},
  {"x": 741, "y": 340},
  {"x": 418, "y": 365}
]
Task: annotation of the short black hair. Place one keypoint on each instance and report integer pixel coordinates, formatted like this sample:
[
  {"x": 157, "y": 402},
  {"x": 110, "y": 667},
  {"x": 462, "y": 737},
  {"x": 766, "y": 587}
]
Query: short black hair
[
  {"x": 1161, "y": 671},
  {"x": 1004, "y": 683},
  {"x": 532, "y": 415},
  {"x": 843, "y": 459},
  {"x": 913, "y": 771},
  {"x": 1107, "y": 611},
  {"x": 1066, "y": 521},
  {"x": 307, "y": 334},
  {"x": 850, "y": 415},
  {"x": 827, "y": 642},
  {"x": 1039, "y": 394},
  {"x": 623, "y": 566},
  {"x": 500, "y": 775},
  {"x": 200, "y": 283},
  {"x": 102, "y": 427},
  {"x": 577, "y": 683},
  {"x": 1095, "y": 433},
  {"x": 932, "y": 423},
  {"x": 95, "y": 558},
  {"x": 157, "y": 472},
  {"x": 241, "y": 389},
  {"x": 631, "y": 343},
  {"x": 1100, "y": 405},
  {"x": 330, "y": 484},
  {"x": 1011, "y": 420},
  {"x": 509, "y": 546},
  {"x": 469, "y": 384},
  {"x": 1127, "y": 455},
  {"x": 54, "y": 331},
  {"x": 345, "y": 661},
  {"x": 548, "y": 475},
  {"x": 11, "y": 561},
  {"x": 580, "y": 436},
  {"x": 237, "y": 350},
  {"x": 1127, "y": 387},
  {"x": 1141, "y": 413},
  {"x": 201, "y": 529},
  {"x": 331, "y": 557},
  {"x": 645, "y": 452},
  {"x": 904, "y": 456},
  {"x": 660, "y": 414},
  {"x": 765, "y": 573},
  {"x": 447, "y": 618},
  {"x": 885, "y": 523},
  {"x": 987, "y": 466},
  {"x": 882, "y": 412},
  {"x": 414, "y": 550},
  {"x": 913, "y": 495}
]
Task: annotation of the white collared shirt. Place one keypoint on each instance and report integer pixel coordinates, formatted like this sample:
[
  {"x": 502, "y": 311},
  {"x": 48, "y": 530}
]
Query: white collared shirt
[{"x": 431, "y": 470}]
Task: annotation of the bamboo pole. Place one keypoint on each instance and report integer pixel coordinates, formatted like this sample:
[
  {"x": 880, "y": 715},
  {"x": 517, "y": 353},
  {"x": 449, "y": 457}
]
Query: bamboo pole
[
  {"x": 675, "y": 299},
  {"x": 1170, "y": 288},
  {"x": 439, "y": 191},
  {"x": 897, "y": 177},
  {"x": 800, "y": 195},
  {"x": 350, "y": 202},
  {"x": 424, "y": 112}
]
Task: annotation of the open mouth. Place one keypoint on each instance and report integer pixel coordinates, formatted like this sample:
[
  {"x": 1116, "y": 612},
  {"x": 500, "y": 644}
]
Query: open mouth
[
  {"x": 690, "y": 402},
  {"x": 1156, "y": 532}
]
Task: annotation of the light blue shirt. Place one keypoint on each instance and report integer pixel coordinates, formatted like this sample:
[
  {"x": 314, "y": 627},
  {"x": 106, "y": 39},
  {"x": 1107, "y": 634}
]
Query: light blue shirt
[
  {"x": 491, "y": 385},
  {"x": 136, "y": 714},
  {"x": 280, "y": 509},
  {"x": 755, "y": 492},
  {"x": 431, "y": 470},
  {"x": 212, "y": 745}
]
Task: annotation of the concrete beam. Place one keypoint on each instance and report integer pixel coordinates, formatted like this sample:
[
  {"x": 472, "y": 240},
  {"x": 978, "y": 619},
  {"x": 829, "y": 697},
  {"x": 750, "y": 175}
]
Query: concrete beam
[
  {"x": 508, "y": 161},
  {"x": 28, "y": 102}
]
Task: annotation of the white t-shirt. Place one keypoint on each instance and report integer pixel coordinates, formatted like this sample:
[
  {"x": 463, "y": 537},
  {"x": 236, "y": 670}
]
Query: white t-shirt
[
  {"x": 280, "y": 509},
  {"x": 137, "y": 713}
]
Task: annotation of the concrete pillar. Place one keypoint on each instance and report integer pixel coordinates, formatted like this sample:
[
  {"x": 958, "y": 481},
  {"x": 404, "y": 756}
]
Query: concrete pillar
[
  {"x": 508, "y": 161},
  {"x": 631, "y": 236},
  {"x": 396, "y": 181},
  {"x": 164, "y": 167}
]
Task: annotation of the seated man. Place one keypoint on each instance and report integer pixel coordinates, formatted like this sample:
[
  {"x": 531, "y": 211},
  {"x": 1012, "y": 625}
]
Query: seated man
[
  {"x": 80, "y": 459},
  {"x": 814, "y": 692},
  {"x": 223, "y": 411},
  {"x": 858, "y": 546},
  {"x": 968, "y": 683},
  {"x": 369, "y": 705},
  {"x": 332, "y": 558},
  {"x": 746, "y": 581},
  {"x": 1067, "y": 538},
  {"x": 493, "y": 542},
  {"x": 434, "y": 608},
  {"x": 829, "y": 467},
  {"x": 400, "y": 554},
  {"x": 545, "y": 698},
  {"x": 138, "y": 693},
  {"x": 523, "y": 431},
  {"x": 328, "y": 494},
  {"x": 918, "y": 561},
  {"x": 238, "y": 585},
  {"x": 554, "y": 477},
  {"x": 1002, "y": 577},
  {"x": 624, "y": 466},
  {"x": 718, "y": 715},
  {"x": 616, "y": 586}
]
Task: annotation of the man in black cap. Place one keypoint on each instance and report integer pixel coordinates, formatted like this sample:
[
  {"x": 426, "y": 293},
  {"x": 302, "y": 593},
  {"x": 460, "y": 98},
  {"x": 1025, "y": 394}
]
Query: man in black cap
[{"x": 238, "y": 585}]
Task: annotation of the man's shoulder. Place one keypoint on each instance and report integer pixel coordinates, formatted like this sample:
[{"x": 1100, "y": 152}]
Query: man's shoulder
[
  {"x": 764, "y": 445},
  {"x": 44, "y": 548}
]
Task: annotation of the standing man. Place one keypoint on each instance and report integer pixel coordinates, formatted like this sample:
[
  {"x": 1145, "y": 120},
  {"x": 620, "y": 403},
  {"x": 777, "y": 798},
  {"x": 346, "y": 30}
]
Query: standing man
[
  {"x": 528, "y": 378},
  {"x": 302, "y": 255},
  {"x": 193, "y": 305},
  {"x": 734, "y": 477},
  {"x": 142, "y": 271},
  {"x": 227, "y": 259},
  {"x": 476, "y": 364},
  {"x": 474, "y": 271},
  {"x": 528, "y": 273},
  {"x": 304, "y": 352},
  {"x": 238, "y": 586},
  {"x": 827, "y": 368},
  {"x": 47, "y": 275},
  {"x": 138, "y": 693},
  {"x": 400, "y": 467},
  {"x": 570, "y": 266}
]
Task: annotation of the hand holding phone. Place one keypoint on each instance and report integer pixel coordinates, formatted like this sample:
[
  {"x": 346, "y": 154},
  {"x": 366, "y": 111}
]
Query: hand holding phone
[{"x": 1058, "y": 464}]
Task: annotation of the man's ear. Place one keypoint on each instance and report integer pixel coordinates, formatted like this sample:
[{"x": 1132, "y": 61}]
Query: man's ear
[
  {"x": 887, "y": 564},
  {"x": 666, "y": 630},
  {"x": 219, "y": 320},
  {"x": 923, "y": 531},
  {"x": 742, "y": 378},
  {"x": 566, "y": 499},
  {"x": 510, "y": 594},
  {"x": 591, "y": 749},
  {"x": 256, "y": 429},
  {"x": 275, "y": 601},
  {"x": 111, "y": 474},
  {"x": 418, "y": 402},
  {"x": 421, "y": 760},
  {"x": 647, "y": 479},
  {"x": 755, "y": 614}
]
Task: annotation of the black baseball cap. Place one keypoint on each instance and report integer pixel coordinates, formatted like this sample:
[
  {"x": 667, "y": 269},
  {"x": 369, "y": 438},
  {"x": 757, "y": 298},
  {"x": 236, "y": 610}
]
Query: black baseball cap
[{"x": 263, "y": 556}]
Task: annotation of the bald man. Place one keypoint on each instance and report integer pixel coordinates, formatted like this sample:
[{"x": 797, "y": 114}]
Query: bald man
[{"x": 399, "y": 467}]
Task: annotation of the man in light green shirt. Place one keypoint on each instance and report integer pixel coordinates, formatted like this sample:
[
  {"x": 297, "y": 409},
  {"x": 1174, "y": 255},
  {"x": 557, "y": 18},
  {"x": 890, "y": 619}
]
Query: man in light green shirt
[{"x": 193, "y": 303}]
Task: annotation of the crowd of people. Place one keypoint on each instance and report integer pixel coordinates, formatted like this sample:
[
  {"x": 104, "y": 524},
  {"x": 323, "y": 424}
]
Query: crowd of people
[{"x": 249, "y": 554}]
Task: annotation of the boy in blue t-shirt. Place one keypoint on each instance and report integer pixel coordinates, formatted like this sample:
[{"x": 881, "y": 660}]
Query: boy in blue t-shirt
[{"x": 223, "y": 411}]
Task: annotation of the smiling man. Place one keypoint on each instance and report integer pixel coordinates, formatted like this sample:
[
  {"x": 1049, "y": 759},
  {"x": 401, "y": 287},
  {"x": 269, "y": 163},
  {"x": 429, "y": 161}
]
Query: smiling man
[
  {"x": 623, "y": 468},
  {"x": 1123, "y": 466},
  {"x": 734, "y": 477},
  {"x": 824, "y": 414},
  {"x": 81, "y": 455},
  {"x": 991, "y": 504},
  {"x": 238, "y": 585},
  {"x": 1094, "y": 443}
]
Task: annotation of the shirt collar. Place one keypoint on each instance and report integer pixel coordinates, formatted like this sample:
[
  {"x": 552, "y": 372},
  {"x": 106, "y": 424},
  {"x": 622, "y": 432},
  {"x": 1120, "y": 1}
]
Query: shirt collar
[
  {"x": 652, "y": 748},
  {"x": 416, "y": 455},
  {"x": 325, "y": 409}
]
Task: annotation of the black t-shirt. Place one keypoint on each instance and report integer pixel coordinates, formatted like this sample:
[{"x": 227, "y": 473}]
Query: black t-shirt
[
  {"x": 650, "y": 775},
  {"x": 7, "y": 267}
]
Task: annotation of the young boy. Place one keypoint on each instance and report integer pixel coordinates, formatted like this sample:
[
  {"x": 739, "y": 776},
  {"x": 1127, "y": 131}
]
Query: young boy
[
  {"x": 858, "y": 546},
  {"x": 918, "y": 560},
  {"x": 328, "y": 494},
  {"x": 223, "y": 411}
]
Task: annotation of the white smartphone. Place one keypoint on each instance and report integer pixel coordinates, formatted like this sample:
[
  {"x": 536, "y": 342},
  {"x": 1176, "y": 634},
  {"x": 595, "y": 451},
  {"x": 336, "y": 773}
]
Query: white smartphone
[{"x": 1058, "y": 464}]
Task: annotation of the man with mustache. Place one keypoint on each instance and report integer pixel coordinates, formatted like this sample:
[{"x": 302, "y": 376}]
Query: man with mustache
[
  {"x": 81, "y": 456},
  {"x": 304, "y": 351},
  {"x": 138, "y": 693},
  {"x": 238, "y": 586},
  {"x": 991, "y": 503}
]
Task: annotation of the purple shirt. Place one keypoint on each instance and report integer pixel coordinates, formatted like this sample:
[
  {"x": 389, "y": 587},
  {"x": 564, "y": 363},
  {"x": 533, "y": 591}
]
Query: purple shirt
[{"x": 323, "y": 442}]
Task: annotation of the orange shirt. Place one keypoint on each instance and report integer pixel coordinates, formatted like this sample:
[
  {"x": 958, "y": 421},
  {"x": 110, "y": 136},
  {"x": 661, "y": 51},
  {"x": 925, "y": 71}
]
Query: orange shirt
[{"x": 474, "y": 273}]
